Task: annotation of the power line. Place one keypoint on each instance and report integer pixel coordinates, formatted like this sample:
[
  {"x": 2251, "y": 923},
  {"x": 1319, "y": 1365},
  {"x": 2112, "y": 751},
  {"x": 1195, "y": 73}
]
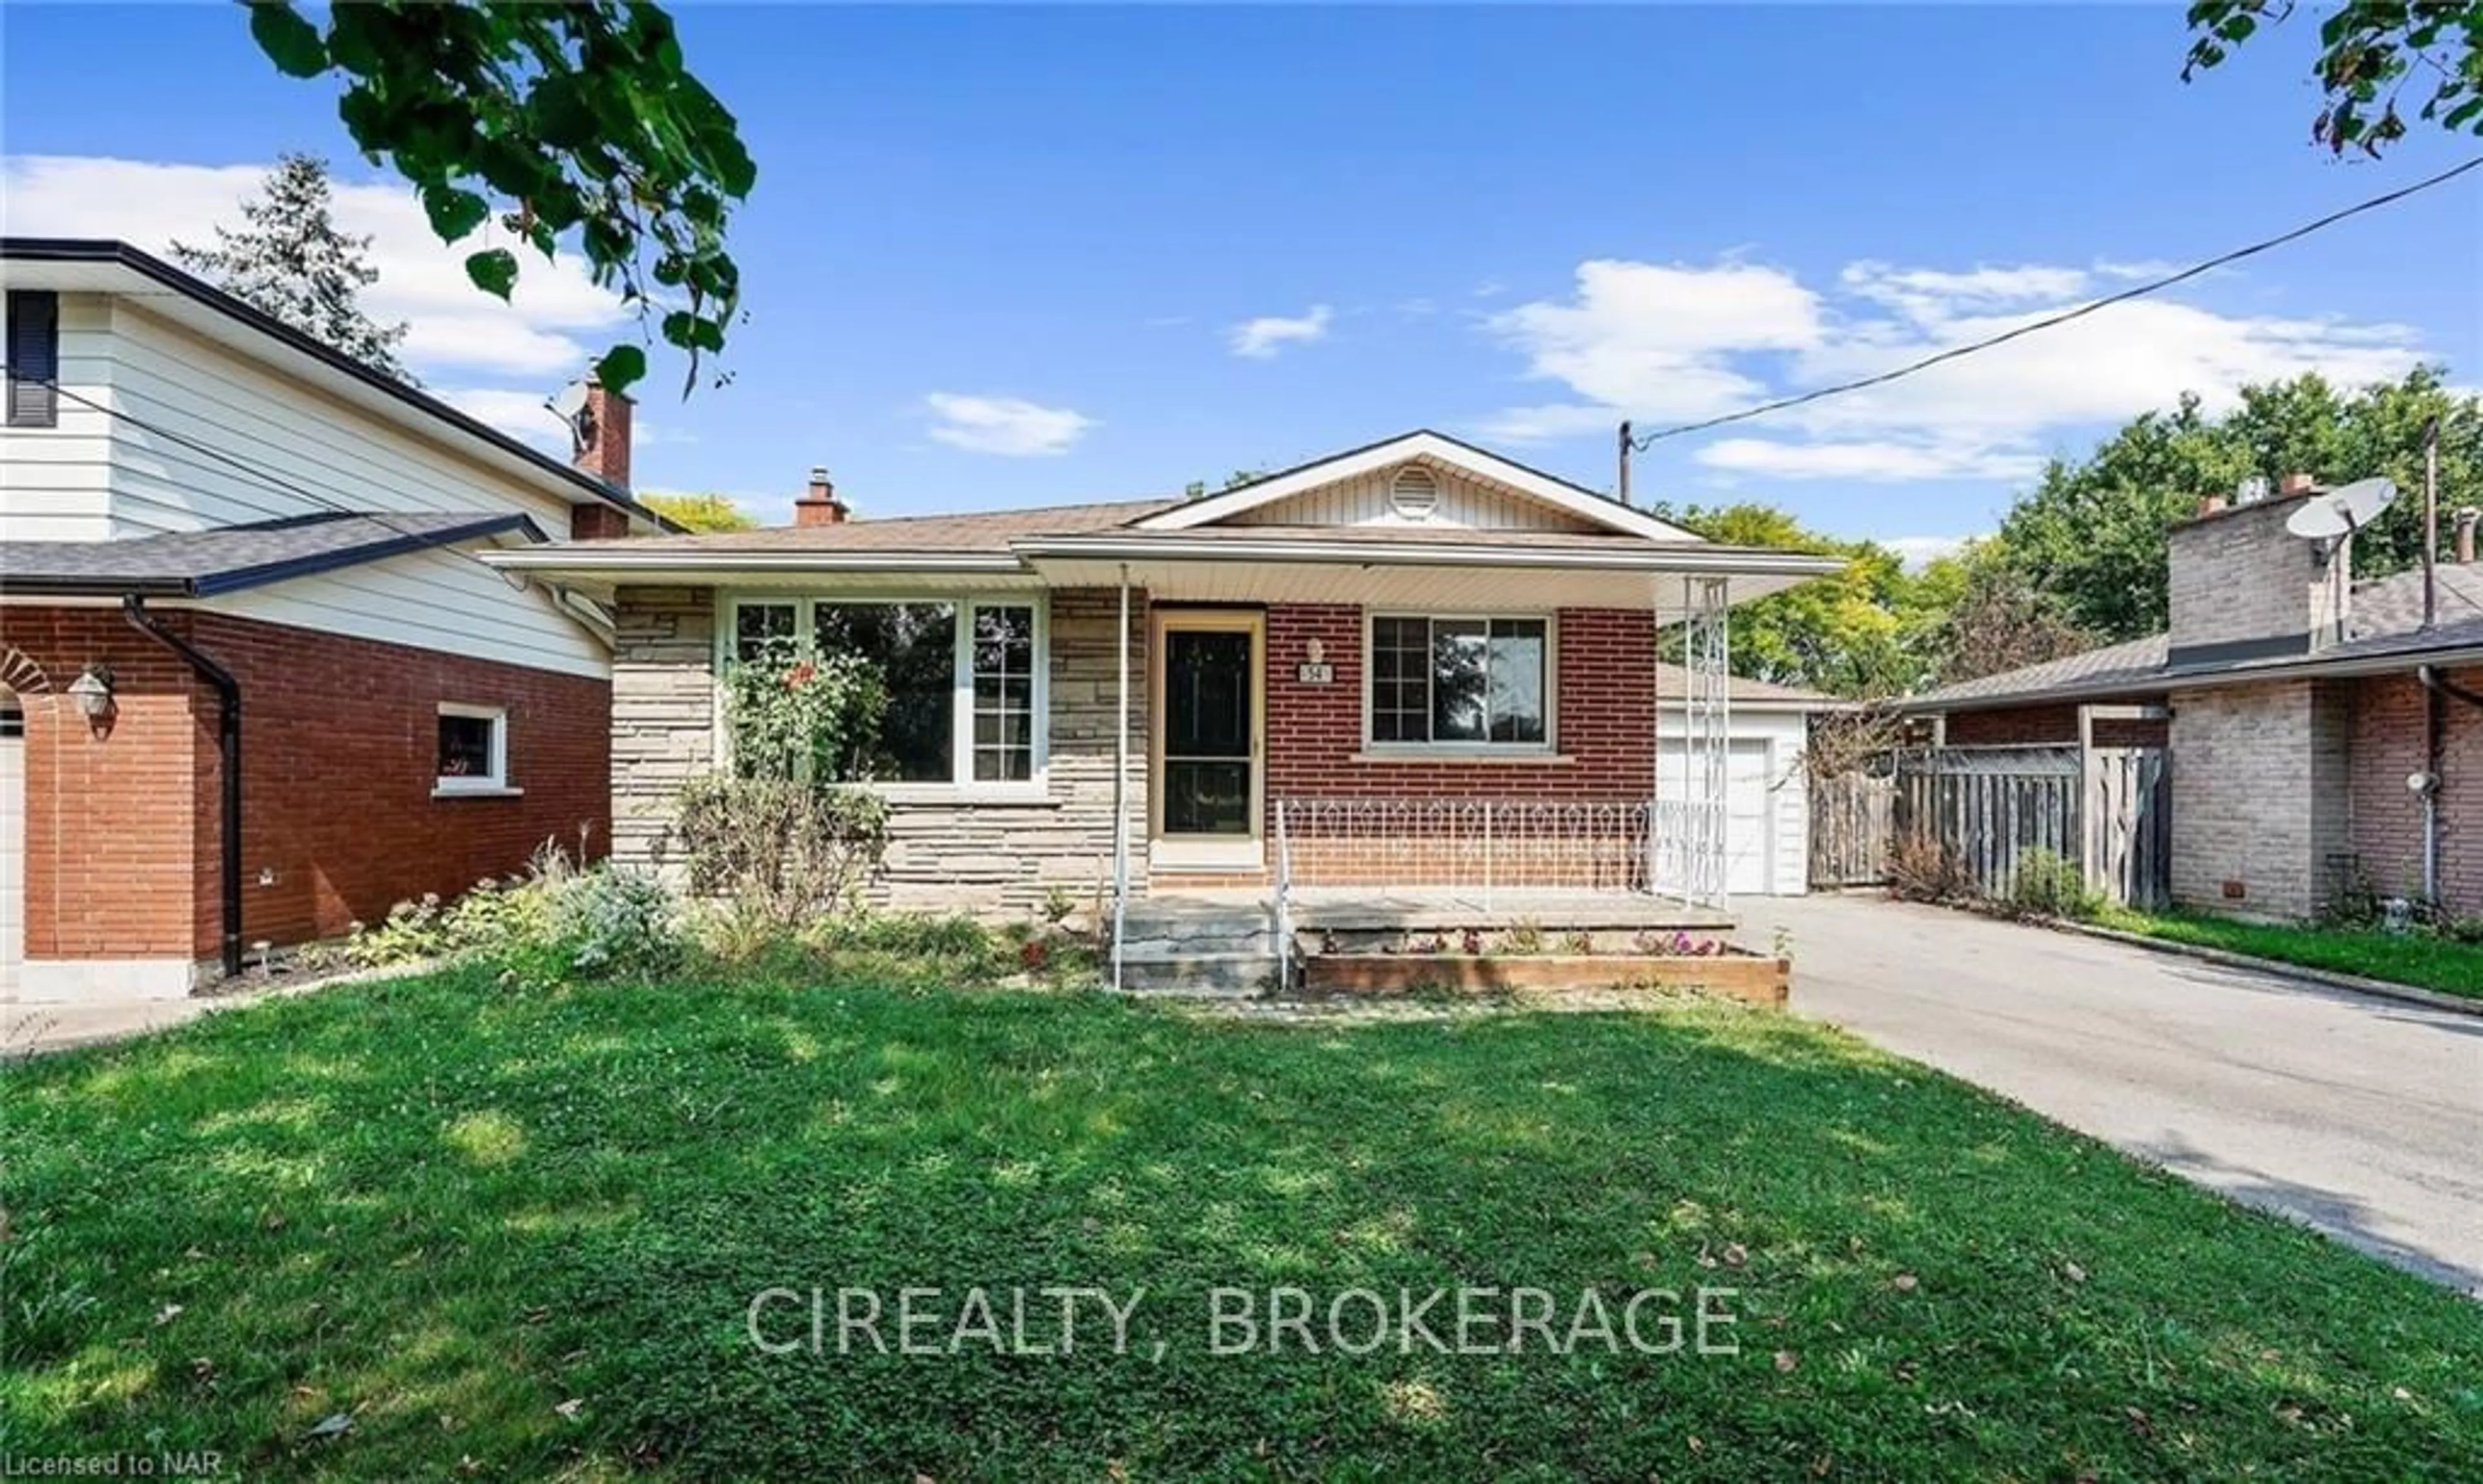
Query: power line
[{"x": 1644, "y": 441}]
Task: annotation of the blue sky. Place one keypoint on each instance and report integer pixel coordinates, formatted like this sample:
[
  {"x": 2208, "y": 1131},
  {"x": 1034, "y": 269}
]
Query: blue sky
[{"x": 1001, "y": 257}]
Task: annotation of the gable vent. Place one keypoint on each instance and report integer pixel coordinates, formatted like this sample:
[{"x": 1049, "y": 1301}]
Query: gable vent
[{"x": 1415, "y": 492}]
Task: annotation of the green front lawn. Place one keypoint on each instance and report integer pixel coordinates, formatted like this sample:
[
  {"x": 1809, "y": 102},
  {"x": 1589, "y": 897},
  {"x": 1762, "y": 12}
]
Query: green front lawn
[
  {"x": 2419, "y": 959},
  {"x": 438, "y": 1226}
]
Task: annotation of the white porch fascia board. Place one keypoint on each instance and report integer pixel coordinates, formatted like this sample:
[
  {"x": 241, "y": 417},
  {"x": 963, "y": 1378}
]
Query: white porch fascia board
[
  {"x": 1687, "y": 558},
  {"x": 1480, "y": 463}
]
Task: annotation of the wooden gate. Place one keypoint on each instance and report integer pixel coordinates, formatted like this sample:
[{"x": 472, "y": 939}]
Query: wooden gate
[
  {"x": 1852, "y": 823},
  {"x": 2128, "y": 834}
]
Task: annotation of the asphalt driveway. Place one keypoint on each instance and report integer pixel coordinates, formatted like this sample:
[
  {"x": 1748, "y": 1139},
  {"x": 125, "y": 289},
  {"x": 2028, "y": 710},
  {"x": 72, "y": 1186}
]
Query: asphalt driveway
[{"x": 2359, "y": 1116}]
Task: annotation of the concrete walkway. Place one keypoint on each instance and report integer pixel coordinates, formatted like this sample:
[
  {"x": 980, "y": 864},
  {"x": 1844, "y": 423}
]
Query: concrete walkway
[{"x": 2361, "y": 1117}]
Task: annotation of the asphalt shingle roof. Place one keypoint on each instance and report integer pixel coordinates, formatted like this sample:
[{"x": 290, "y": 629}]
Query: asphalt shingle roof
[
  {"x": 199, "y": 564},
  {"x": 2387, "y": 619}
]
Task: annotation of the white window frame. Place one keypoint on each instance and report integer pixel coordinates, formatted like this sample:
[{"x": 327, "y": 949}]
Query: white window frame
[
  {"x": 1549, "y": 747},
  {"x": 962, "y": 785},
  {"x": 491, "y": 784}
]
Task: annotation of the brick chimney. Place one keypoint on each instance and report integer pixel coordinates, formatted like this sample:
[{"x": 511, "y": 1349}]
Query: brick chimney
[
  {"x": 2466, "y": 521},
  {"x": 602, "y": 450},
  {"x": 819, "y": 505},
  {"x": 2243, "y": 586}
]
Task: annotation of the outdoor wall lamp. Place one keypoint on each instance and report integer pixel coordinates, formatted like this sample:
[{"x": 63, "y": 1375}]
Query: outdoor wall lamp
[{"x": 91, "y": 690}]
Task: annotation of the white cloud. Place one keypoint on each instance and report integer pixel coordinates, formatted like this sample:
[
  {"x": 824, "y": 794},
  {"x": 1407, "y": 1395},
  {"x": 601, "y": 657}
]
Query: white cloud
[
  {"x": 1676, "y": 343},
  {"x": 1549, "y": 423},
  {"x": 1263, "y": 338},
  {"x": 1009, "y": 426},
  {"x": 1866, "y": 459},
  {"x": 1658, "y": 338},
  {"x": 517, "y": 414},
  {"x": 1920, "y": 551},
  {"x": 456, "y": 327}
]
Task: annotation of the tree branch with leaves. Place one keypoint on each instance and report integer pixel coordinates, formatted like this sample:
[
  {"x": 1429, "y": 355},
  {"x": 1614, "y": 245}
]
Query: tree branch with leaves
[
  {"x": 574, "y": 126},
  {"x": 2371, "y": 52}
]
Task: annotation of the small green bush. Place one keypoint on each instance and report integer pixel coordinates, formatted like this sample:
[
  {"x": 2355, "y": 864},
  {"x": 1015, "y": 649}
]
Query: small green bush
[
  {"x": 558, "y": 921},
  {"x": 2049, "y": 884}
]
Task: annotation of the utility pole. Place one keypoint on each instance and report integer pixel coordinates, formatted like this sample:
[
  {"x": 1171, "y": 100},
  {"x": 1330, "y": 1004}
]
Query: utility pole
[
  {"x": 2431, "y": 521},
  {"x": 1625, "y": 461}
]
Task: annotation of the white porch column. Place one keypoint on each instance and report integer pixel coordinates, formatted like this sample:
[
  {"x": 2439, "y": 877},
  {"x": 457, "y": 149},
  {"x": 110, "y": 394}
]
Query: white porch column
[{"x": 1121, "y": 786}]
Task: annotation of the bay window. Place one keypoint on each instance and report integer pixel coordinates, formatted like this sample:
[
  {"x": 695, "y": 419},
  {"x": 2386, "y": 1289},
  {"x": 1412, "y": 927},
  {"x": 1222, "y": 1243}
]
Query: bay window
[
  {"x": 1459, "y": 682},
  {"x": 962, "y": 676}
]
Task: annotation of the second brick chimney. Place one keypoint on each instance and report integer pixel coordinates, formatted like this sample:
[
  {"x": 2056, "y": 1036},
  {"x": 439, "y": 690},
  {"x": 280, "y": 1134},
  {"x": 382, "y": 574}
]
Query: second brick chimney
[
  {"x": 2243, "y": 586},
  {"x": 2466, "y": 522},
  {"x": 819, "y": 505}
]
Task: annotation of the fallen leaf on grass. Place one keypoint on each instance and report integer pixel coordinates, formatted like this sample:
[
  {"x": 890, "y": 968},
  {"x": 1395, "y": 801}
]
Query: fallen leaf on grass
[
  {"x": 569, "y": 1409},
  {"x": 1904, "y": 1283},
  {"x": 1786, "y": 1360},
  {"x": 336, "y": 1424},
  {"x": 166, "y": 1314}
]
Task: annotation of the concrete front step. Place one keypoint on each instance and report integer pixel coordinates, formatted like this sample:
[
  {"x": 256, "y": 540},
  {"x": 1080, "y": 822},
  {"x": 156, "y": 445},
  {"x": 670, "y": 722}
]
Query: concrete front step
[{"x": 1221, "y": 975}]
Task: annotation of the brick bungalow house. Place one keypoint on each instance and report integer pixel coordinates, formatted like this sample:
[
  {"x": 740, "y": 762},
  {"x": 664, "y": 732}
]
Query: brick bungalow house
[
  {"x": 2323, "y": 735},
  {"x": 221, "y": 541},
  {"x": 1413, "y": 662}
]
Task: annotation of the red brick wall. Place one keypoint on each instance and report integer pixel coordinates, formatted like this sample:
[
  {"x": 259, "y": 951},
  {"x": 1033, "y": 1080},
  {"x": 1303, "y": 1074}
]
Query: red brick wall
[
  {"x": 108, "y": 860},
  {"x": 2050, "y": 726},
  {"x": 2387, "y": 829},
  {"x": 338, "y": 748},
  {"x": 2014, "y": 727},
  {"x": 1603, "y": 716}
]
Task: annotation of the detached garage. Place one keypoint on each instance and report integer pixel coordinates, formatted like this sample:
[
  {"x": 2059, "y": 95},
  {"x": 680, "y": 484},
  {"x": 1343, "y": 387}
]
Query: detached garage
[{"x": 1767, "y": 798}]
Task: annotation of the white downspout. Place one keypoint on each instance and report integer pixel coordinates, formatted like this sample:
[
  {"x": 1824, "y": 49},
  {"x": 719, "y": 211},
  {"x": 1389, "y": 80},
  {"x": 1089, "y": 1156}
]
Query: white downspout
[{"x": 1121, "y": 787}]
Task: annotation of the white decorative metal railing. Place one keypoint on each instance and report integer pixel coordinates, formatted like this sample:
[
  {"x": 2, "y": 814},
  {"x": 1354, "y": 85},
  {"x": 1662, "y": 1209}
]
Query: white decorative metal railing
[{"x": 1481, "y": 845}]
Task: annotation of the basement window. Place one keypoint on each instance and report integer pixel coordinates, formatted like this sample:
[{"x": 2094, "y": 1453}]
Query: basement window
[{"x": 473, "y": 757}]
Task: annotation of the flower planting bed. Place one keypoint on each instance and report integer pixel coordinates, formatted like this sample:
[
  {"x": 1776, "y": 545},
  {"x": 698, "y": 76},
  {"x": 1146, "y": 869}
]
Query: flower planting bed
[{"x": 1466, "y": 962}]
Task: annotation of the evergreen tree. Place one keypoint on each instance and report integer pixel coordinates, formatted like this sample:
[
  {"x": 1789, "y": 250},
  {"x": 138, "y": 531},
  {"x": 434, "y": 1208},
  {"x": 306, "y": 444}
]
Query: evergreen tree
[{"x": 288, "y": 261}]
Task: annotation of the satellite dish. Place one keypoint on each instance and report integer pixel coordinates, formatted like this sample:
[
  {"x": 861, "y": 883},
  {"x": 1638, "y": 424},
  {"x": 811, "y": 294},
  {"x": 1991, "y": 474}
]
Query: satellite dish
[
  {"x": 2342, "y": 511},
  {"x": 569, "y": 404}
]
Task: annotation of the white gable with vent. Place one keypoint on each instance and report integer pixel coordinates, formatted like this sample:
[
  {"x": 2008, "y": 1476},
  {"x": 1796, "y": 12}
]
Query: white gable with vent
[{"x": 1421, "y": 478}]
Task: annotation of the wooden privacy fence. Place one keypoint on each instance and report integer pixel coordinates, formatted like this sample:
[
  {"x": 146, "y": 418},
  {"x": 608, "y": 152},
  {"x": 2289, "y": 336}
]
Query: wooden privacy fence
[
  {"x": 2108, "y": 808},
  {"x": 1850, "y": 827}
]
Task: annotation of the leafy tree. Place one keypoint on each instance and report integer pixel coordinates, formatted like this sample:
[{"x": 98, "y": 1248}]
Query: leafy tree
[
  {"x": 578, "y": 125},
  {"x": 2370, "y": 52},
  {"x": 2093, "y": 533},
  {"x": 289, "y": 260},
  {"x": 1998, "y": 621},
  {"x": 1865, "y": 631},
  {"x": 701, "y": 512}
]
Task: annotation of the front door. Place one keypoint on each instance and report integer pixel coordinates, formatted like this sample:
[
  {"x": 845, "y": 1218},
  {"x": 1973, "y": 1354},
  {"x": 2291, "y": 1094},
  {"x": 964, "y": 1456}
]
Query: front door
[{"x": 1209, "y": 752}]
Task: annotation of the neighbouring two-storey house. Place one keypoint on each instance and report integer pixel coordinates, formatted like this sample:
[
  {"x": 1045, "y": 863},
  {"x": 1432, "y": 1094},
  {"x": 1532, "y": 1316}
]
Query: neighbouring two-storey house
[{"x": 255, "y": 683}]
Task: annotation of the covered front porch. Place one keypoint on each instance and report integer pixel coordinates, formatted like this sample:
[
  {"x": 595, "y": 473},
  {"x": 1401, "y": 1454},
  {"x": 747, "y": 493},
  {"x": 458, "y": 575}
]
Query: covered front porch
[{"x": 1280, "y": 788}]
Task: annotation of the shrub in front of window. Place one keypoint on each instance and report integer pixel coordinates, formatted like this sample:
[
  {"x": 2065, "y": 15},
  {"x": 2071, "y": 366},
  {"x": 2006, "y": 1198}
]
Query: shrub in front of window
[
  {"x": 779, "y": 839},
  {"x": 792, "y": 715}
]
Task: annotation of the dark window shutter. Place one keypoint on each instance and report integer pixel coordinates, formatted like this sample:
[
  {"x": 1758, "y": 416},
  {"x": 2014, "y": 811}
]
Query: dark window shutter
[{"x": 34, "y": 359}]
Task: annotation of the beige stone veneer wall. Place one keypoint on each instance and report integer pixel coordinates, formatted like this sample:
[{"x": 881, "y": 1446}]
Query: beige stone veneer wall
[{"x": 999, "y": 859}]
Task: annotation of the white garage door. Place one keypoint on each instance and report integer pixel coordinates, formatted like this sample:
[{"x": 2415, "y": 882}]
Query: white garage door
[
  {"x": 13, "y": 844},
  {"x": 1750, "y": 828}
]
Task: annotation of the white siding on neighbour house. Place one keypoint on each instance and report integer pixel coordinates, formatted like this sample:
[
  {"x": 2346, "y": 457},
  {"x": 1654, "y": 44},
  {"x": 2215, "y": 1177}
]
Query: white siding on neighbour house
[
  {"x": 290, "y": 450},
  {"x": 440, "y": 600},
  {"x": 55, "y": 483},
  {"x": 1463, "y": 502},
  {"x": 283, "y": 428}
]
